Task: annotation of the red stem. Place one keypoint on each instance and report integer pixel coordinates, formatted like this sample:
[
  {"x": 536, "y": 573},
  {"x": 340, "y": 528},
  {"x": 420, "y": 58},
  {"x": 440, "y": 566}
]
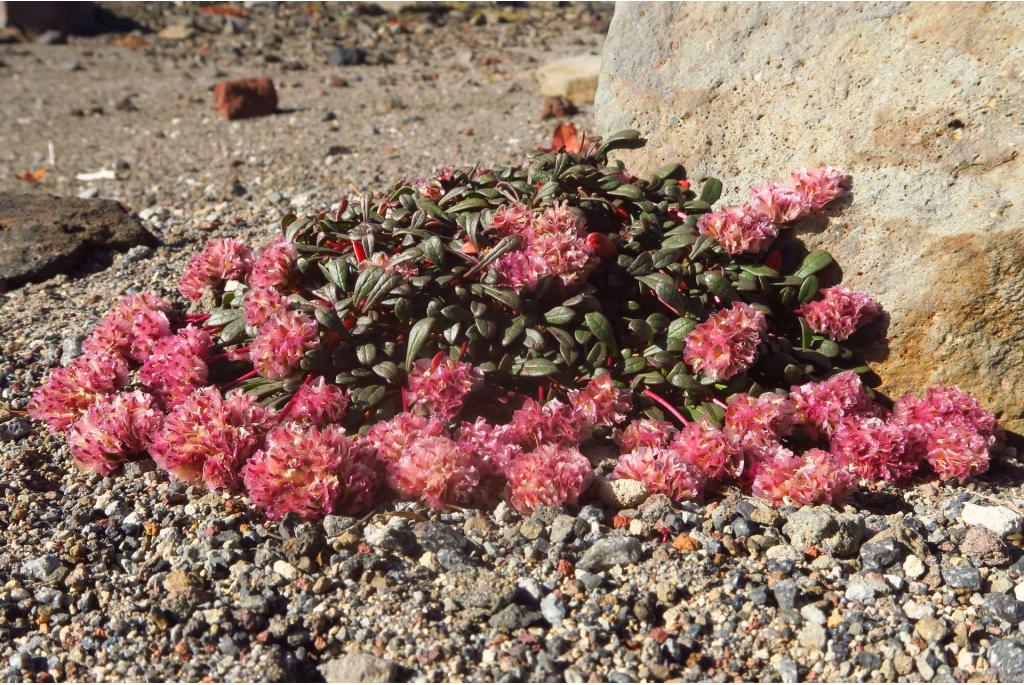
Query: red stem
[
  {"x": 291, "y": 400},
  {"x": 666, "y": 404},
  {"x": 195, "y": 318},
  {"x": 360, "y": 252},
  {"x": 669, "y": 307}
]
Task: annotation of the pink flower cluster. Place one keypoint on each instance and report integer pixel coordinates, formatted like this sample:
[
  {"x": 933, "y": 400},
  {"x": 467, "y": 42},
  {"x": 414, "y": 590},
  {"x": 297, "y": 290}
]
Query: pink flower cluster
[
  {"x": 113, "y": 429},
  {"x": 282, "y": 342},
  {"x": 208, "y": 437},
  {"x": 435, "y": 469},
  {"x": 823, "y": 405},
  {"x": 725, "y": 344},
  {"x": 273, "y": 268},
  {"x": 130, "y": 328},
  {"x": 554, "y": 244},
  {"x": 261, "y": 304},
  {"x": 177, "y": 366},
  {"x": 221, "y": 260},
  {"x": 600, "y": 403},
  {"x": 815, "y": 477},
  {"x": 311, "y": 472},
  {"x": 549, "y": 475},
  {"x": 439, "y": 386},
  {"x": 316, "y": 404},
  {"x": 839, "y": 312},
  {"x": 751, "y": 228},
  {"x": 951, "y": 429},
  {"x": 72, "y": 389}
]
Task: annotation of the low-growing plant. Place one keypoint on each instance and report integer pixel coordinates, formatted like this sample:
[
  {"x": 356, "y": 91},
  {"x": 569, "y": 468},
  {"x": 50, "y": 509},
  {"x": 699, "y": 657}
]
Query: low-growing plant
[{"x": 461, "y": 336}]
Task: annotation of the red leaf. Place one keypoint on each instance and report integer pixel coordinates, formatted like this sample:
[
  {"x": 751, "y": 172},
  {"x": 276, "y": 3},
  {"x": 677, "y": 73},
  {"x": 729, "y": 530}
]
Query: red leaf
[{"x": 567, "y": 138}]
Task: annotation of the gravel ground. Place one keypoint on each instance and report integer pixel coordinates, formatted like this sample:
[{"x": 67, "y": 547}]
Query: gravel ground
[{"x": 135, "y": 577}]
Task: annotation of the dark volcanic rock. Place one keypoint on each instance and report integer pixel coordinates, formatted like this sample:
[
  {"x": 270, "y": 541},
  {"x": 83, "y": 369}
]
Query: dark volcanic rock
[{"x": 44, "y": 235}]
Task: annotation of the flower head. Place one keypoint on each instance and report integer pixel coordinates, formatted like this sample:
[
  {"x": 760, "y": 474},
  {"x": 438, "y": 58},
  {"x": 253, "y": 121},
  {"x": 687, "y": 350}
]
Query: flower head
[
  {"x": 554, "y": 244},
  {"x": 535, "y": 424},
  {"x": 113, "y": 429},
  {"x": 210, "y": 437},
  {"x": 758, "y": 422},
  {"x": 663, "y": 472},
  {"x": 815, "y": 477},
  {"x": 514, "y": 219},
  {"x": 600, "y": 403},
  {"x": 958, "y": 451},
  {"x": 438, "y": 386},
  {"x": 739, "y": 230},
  {"x": 317, "y": 404},
  {"x": 282, "y": 343},
  {"x": 707, "y": 448},
  {"x": 273, "y": 268},
  {"x": 819, "y": 186},
  {"x": 262, "y": 303},
  {"x": 822, "y": 406},
  {"x": 550, "y": 475},
  {"x": 71, "y": 390},
  {"x": 777, "y": 202},
  {"x": 388, "y": 439},
  {"x": 219, "y": 261},
  {"x": 645, "y": 432},
  {"x": 725, "y": 344},
  {"x": 874, "y": 449},
  {"x": 310, "y": 472},
  {"x": 130, "y": 328},
  {"x": 435, "y": 469},
  {"x": 177, "y": 366},
  {"x": 839, "y": 312}
]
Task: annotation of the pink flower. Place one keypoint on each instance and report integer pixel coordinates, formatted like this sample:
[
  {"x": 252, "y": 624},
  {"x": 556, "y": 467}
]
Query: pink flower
[
  {"x": 308, "y": 471},
  {"x": 725, "y": 344},
  {"x": 958, "y": 451},
  {"x": 553, "y": 422},
  {"x": 950, "y": 429},
  {"x": 490, "y": 445},
  {"x": 71, "y": 390},
  {"x": 406, "y": 268},
  {"x": 273, "y": 268},
  {"x": 390, "y": 438},
  {"x": 177, "y": 366},
  {"x": 430, "y": 188},
  {"x": 220, "y": 261},
  {"x": 514, "y": 219},
  {"x": 282, "y": 343},
  {"x": 708, "y": 449},
  {"x": 434, "y": 469},
  {"x": 739, "y": 230},
  {"x": 317, "y": 404},
  {"x": 130, "y": 328},
  {"x": 758, "y": 422},
  {"x": 438, "y": 386},
  {"x": 113, "y": 429},
  {"x": 823, "y": 405},
  {"x": 554, "y": 244},
  {"x": 874, "y": 449},
  {"x": 839, "y": 312},
  {"x": 209, "y": 437},
  {"x": 645, "y": 432},
  {"x": 550, "y": 475},
  {"x": 777, "y": 202},
  {"x": 600, "y": 403},
  {"x": 815, "y": 477},
  {"x": 663, "y": 472},
  {"x": 819, "y": 186},
  {"x": 261, "y": 304}
]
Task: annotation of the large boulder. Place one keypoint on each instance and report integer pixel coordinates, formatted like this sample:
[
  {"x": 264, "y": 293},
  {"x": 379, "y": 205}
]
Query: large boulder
[
  {"x": 920, "y": 103},
  {"x": 44, "y": 235}
]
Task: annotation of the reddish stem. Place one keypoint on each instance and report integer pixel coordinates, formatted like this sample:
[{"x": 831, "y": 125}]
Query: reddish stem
[
  {"x": 246, "y": 376},
  {"x": 405, "y": 401},
  {"x": 195, "y": 318},
  {"x": 666, "y": 404},
  {"x": 669, "y": 307}
]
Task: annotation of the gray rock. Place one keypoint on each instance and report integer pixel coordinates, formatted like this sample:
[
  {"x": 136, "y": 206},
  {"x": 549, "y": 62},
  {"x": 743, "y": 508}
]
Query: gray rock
[
  {"x": 481, "y": 589},
  {"x": 609, "y": 552},
  {"x": 962, "y": 577},
  {"x": 44, "y": 568},
  {"x": 1007, "y": 657},
  {"x": 452, "y": 549},
  {"x": 787, "y": 670},
  {"x": 15, "y": 429},
  {"x": 562, "y": 528},
  {"x": 785, "y": 592},
  {"x": 71, "y": 347},
  {"x": 45, "y": 234},
  {"x": 912, "y": 138},
  {"x": 1000, "y": 520},
  {"x": 876, "y": 555},
  {"x": 358, "y": 667},
  {"x": 341, "y": 55},
  {"x": 1005, "y": 607},
  {"x": 824, "y": 527}
]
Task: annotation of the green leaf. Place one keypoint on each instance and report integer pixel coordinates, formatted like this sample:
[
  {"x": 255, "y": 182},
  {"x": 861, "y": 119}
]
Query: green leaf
[
  {"x": 233, "y": 331},
  {"x": 514, "y": 330},
  {"x": 813, "y": 263},
  {"x": 538, "y": 367},
  {"x": 808, "y": 289},
  {"x": 506, "y": 244},
  {"x": 635, "y": 364},
  {"x": 760, "y": 270},
  {"x": 628, "y": 191},
  {"x": 223, "y": 317},
  {"x": 711, "y": 190},
  {"x": 559, "y": 315},
  {"x": 389, "y": 371},
  {"x": 471, "y": 203},
  {"x": 506, "y": 297},
  {"x": 805, "y": 333},
  {"x": 417, "y": 338},
  {"x": 601, "y": 327}
]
